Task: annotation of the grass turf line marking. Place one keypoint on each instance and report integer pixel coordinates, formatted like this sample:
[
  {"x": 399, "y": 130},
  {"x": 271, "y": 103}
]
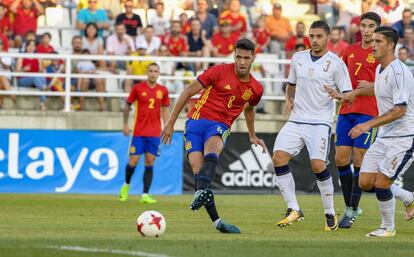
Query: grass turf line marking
[{"x": 103, "y": 250}]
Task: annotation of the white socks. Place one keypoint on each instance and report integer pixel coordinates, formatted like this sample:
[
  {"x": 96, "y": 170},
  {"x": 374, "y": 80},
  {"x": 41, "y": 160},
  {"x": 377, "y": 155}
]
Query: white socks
[
  {"x": 326, "y": 188},
  {"x": 287, "y": 188},
  {"x": 405, "y": 196},
  {"x": 387, "y": 210}
]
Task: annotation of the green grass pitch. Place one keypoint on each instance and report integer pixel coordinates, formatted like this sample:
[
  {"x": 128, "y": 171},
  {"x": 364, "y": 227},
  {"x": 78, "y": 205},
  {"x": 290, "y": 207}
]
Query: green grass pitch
[{"x": 37, "y": 225}]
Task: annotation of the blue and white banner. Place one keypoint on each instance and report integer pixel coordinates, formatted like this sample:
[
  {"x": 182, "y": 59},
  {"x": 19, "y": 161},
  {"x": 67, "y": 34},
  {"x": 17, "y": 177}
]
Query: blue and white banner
[{"x": 67, "y": 161}]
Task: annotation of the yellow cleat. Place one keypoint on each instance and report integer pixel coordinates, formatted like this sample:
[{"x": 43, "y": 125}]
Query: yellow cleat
[
  {"x": 331, "y": 222},
  {"x": 123, "y": 193},
  {"x": 145, "y": 198},
  {"x": 290, "y": 217}
]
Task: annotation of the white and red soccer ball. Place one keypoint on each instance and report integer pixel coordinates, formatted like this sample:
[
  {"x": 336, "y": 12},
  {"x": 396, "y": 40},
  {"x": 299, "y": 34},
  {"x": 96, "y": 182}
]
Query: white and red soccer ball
[{"x": 151, "y": 224}]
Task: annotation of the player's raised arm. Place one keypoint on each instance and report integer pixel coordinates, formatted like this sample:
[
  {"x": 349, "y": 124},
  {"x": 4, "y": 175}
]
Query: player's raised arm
[
  {"x": 188, "y": 92},
  {"x": 249, "y": 115}
]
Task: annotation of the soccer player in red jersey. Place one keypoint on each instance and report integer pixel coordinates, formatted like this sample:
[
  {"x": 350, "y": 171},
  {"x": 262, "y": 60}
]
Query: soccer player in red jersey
[
  {"x": 152, "y": 101},
  {"x": 361, "y": 65},
  {"x": 229, "y": 89}
]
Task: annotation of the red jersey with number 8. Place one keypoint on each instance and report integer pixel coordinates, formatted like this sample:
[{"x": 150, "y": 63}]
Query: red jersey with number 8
[
  {"x": 224, "y": 96},
  {"x": 148, "y": 103},
  {"x": 361, "y": 65}
]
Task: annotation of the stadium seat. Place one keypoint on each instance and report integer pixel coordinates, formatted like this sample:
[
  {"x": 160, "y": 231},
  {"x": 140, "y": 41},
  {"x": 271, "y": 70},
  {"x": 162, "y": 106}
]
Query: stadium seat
[
  {"x": 41, "y": 21},
  {"x": 142, "y": 14},
  {"x": 57, "y": 17},
  {"x": 66, "y": 36},
  {"x": 55, "y": 42}
]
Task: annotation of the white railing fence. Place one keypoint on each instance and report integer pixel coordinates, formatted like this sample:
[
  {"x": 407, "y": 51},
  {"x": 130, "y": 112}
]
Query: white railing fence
[{"x": 67, "y": 75}]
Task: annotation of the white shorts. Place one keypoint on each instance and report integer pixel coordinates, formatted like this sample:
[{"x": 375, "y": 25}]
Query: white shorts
[
  {"x": 294, "y": 136},
  {"x": 390, "y": 156}
]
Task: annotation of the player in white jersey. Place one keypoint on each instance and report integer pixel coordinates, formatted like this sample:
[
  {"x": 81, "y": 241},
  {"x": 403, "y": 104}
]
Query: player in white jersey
[
  {"x": 392, "y": 153},
  {"x": 311, "y": 116}
]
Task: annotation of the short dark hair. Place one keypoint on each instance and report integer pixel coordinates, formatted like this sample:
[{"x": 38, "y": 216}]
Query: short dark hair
[
  {"x": 407, "y": 10},
  {"x": 372, "y": 16},
  {"x": 76, "y": 37},
  {"x": 159, "y": 3},
  {"x": 245, "y": 44},
  {"x": 404, "y": 48},
  {"x": 47, "y": 34},
  {"x": 389, "y": 33},
  {"x": 321, "y": 25},
  {"x": 91, "y": 24},
  {"x": 299, "y": 46}
]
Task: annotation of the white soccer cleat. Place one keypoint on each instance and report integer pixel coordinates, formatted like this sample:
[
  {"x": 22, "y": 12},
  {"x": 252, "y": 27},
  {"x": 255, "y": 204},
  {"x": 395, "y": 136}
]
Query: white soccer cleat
[{"x": 381, "y": 232}]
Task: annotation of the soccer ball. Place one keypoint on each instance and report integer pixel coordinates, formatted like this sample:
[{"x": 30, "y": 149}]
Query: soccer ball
[{"x": 151, "y": 224}]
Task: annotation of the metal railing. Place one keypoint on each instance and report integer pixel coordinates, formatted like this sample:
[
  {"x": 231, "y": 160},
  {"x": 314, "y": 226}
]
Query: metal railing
[{"x": 67, "y": 75}]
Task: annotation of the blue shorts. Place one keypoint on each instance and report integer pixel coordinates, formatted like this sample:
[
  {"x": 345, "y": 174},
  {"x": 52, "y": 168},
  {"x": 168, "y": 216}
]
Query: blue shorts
[
  {"x": 140, "y": 145},
  {"x": 345, "y": 123},
  {"x": 197, "y": 132}
]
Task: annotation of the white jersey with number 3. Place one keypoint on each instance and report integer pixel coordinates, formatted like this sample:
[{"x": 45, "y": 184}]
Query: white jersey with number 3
[
  {"x": 312, "y": 103},
  {"x": 394, "y": 85}
]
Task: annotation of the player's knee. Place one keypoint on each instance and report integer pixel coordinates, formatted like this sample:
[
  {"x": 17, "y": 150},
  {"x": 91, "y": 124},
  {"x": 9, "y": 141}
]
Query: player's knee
[
  {"x": 280, "y": 159},
  {"x": 341, "y": 160},
  {"x": 196, "y": 168},
  {"x": 366, "y": 184},
  {"x": 357, "y": 158},
  {"x": 318, "y": 166},
  {"x": 149, "y": 162},
  {"x": 133, "y": 161}
]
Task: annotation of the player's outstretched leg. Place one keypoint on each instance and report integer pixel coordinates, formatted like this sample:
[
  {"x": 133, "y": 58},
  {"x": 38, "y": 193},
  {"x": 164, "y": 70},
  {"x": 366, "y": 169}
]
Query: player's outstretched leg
[
  {"x": 147, "y": 179},
  {"x": 123, "y": 193},
  {"x": 287, "y": 188},
  {"x": 386, "y": 202},
  {"x": 205, "y": 197},
  {"x": 325, "y": 185},
  {"x": 407, "y": 198}
]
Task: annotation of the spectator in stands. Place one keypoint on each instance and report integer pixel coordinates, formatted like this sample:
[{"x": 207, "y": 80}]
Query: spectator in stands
[
  {"x": 176, "y": 42},
  {"x": 167, "y": 68},
  {"x": 55, "y": 83},
  {"x": 30, "y": 35},
  {"x": 335, "y": 43},
  {"x": 237, "y": 21},
  {"x": 198, "y": 44},
  {"x": 407, "y": 41},
  {"x": 346, "y": 10},
  {"x": 48, "y": 3},
  {"x": 136, "y": 67},
  {"x": 261, "y": 36},
  {"x": 208, "y": 20},
  {"x": 250, "y": 10},
  {"x": 5, "y": 63},
  {"x": 5, "y": 24},
  {"x": 403, "y": 55},
  {"x": 406, "y": 22},
  {"x": 151, "y": 42},
  {"x": 92, "y": 15},
  {"x": 224, "y": 41},
  {"x": 44, "y": 47},
  {"x": 84, "y": 84},
  {"x": 132, "y": 21},
  {"x": 354, "y": 27},
  {"x": 185, "y": 24},
  {"x": 326, "y": 11},
  {"x": 5, "y": 42},
  {"x": 25, "y": 19},
  {"x": 279, "y": 29},
  {"x": 160, "y": 22},
  {"x": 119, "y": 43},
  {"x": 31, "y": 65},
  {"x": 93, "y": 42},
  {"x": 298, "y": 39}
]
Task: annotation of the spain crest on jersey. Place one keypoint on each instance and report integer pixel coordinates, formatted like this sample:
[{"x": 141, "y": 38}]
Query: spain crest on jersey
[
  {"x": 159, "y": 94},
  {"x": 370, "y": 58},
  {"x": 144, "y": 94},
  {"x": 247, "y": 94}
]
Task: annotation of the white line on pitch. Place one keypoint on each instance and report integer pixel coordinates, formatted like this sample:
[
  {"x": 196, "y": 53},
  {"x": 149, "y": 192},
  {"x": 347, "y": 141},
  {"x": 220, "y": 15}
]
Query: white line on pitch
[{"x": 103, "y": 250}]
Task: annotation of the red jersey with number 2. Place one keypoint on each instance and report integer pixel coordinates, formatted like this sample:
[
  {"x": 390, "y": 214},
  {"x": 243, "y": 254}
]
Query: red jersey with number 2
[
  {"x": 148, "y": 103},
  {"x": 224, "y": 96},
  {"x": 361, "y": 65}
]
